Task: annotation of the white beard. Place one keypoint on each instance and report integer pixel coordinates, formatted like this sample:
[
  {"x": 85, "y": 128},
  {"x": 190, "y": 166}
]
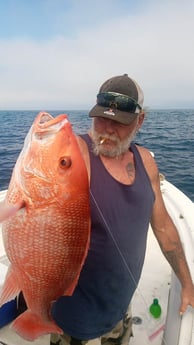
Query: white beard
[{"x": 120, "y": 146}]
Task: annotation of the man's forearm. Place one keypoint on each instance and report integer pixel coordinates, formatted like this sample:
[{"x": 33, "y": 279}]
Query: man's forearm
[
  {"x": 177, "y": 260},
  {"x": 173, "y": 251}
]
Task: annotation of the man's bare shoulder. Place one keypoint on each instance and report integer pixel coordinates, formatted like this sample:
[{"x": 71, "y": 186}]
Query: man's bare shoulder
[{"x": 149, "y": 162}]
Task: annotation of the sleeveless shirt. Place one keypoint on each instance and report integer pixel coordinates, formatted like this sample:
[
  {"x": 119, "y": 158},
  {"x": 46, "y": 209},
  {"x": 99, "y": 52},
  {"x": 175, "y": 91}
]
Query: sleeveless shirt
[{"x": 120, "y": 217}]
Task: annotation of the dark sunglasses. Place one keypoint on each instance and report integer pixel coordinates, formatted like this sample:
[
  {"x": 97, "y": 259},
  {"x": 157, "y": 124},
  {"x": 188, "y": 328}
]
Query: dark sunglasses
[{"x": 118, "y": 101}]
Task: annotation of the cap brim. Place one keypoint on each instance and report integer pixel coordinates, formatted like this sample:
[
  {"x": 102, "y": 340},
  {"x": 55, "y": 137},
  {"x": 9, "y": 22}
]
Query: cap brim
[{"x": 113, "y": 114}]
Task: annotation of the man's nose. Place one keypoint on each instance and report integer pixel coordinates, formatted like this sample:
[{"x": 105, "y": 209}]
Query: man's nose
[{"x": 110, "y": 126}]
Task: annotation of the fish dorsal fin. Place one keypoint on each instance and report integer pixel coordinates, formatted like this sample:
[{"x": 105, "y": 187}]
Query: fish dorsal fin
[{"x": 10, "y": 288}]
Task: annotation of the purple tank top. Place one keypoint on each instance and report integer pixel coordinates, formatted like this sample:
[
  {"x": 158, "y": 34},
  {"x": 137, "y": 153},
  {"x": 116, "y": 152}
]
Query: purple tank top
[{"x": 120, "y": 219}]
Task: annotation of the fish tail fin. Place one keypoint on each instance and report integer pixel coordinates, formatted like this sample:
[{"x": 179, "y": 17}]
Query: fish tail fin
[
  {"x": 30, "y": 326},
  {"x": 10, "y": 288}
]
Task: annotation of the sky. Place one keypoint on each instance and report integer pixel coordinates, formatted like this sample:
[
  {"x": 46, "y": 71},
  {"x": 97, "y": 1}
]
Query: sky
[{"x": 55, "y": 54}]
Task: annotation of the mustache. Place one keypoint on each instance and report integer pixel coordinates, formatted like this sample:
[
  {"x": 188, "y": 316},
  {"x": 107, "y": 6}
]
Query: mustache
[{"x": 101, "y": 138}]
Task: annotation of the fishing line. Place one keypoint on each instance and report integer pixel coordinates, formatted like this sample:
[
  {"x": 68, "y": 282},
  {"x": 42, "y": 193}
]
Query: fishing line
[
  {"x": 116, "y": 245},
  {"x": 122, "y": 257}
]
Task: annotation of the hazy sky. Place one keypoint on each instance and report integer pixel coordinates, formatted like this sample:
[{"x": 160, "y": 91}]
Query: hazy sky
[{"x": 55, "y": 54}]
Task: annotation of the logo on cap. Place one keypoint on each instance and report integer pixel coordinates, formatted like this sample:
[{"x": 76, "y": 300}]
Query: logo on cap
[{"x": 109, "y": 112}]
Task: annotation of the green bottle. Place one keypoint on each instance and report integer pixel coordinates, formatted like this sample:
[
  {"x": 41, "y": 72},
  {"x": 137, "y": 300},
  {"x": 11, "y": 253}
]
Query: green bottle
[{"x": 155, "y": 309}]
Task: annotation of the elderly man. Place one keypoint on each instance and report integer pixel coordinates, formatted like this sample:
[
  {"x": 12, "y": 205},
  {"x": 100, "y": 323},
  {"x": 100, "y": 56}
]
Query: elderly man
[{"x": 124, "y": 196}]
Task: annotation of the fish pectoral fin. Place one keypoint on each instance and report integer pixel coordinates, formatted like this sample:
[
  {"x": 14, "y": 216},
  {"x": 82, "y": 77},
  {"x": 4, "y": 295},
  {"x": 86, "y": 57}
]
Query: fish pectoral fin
[
  {"x": 30, "y": 326},
  {"x": 10, "y": 288}
]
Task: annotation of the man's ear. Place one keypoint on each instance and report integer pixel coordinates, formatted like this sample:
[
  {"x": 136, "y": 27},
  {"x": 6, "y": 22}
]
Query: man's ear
[{"x": 141, "y": 119}]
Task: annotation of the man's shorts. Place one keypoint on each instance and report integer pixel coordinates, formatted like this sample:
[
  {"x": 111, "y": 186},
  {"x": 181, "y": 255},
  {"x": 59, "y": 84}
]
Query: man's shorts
[{"x": 119, "y": 335}]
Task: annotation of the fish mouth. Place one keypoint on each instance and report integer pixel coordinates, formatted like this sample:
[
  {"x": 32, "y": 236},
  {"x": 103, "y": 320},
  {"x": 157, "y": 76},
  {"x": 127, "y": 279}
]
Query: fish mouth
[
  {"x": 43, "y": 130},
  {"x": 44, "y": 117},
  {"x": 45, "y": 123}
]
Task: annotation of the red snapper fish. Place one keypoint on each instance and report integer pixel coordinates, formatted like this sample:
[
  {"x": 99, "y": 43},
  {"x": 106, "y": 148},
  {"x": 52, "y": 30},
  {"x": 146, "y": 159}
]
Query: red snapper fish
[{"x": 47, "y": 240}]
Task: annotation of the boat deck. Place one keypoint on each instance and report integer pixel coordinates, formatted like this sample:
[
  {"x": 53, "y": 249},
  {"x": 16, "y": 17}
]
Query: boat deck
[{"x": 154, "y": 283}]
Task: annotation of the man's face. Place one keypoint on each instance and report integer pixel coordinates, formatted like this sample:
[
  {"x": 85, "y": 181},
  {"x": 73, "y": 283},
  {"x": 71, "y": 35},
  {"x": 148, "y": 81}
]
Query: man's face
[{"x": 111, "y": 138}]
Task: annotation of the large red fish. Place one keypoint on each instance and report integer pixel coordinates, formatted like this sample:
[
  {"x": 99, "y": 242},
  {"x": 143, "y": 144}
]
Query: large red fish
[{"x": 48, "y": 239}]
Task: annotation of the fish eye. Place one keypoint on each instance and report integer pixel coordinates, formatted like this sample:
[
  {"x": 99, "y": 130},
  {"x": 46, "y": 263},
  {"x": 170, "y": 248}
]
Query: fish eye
[{"x": 65, "y": 162}]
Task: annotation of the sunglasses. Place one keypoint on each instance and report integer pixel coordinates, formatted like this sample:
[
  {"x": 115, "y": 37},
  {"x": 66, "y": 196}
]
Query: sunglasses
[{"x": 118, "y": 101}]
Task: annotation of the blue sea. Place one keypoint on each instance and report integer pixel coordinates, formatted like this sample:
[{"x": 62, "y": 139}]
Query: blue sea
[{"x": 167, "y": 133}]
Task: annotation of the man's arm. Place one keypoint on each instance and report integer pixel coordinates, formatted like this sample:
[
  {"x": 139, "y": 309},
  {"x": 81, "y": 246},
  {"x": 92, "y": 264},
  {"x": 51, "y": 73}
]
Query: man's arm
[
  {"x": 170, "y": 244},
  {"x": 167, "y": 234}
]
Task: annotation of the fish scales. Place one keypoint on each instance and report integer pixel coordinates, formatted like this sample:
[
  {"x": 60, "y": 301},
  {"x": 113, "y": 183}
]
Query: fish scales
[{"x": 47, "y": 240}]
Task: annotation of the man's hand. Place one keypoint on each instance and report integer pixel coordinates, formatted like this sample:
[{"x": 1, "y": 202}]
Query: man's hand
[
  {"x": 187, "y": 298},
  {"x": 8, "y": 210}
]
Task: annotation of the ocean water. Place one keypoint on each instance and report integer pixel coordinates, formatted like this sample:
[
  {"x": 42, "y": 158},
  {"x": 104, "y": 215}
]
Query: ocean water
[{"x": 169, "y": 134}]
